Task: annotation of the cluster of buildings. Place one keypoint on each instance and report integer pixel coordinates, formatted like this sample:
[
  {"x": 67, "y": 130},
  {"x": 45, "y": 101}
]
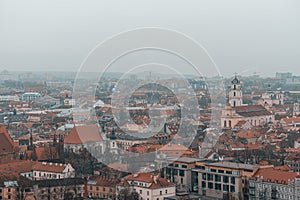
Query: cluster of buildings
[{"x": 51, "y": 150}]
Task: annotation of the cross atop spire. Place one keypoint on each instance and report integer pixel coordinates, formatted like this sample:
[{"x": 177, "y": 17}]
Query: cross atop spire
[{"x": 235, "y": 74}]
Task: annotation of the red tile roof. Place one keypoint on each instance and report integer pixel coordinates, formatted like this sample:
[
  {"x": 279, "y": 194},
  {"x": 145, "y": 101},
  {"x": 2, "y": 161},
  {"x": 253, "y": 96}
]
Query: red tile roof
[
  {"x": 252, "y": 110},
  {"x": 248, "y": 135},
  {"x": 155, "y": 180},
  {"x": 275, "y": 175},
  {"x": 84, "y": 134},
  {"x": 49, "y": 167},
  {"x": 6, "y": 142},
  {"x": 106, "y": 182},
  {"x": 291, "y": 120}
]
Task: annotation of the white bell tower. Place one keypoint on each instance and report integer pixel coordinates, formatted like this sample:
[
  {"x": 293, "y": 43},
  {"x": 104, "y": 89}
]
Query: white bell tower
[{"x": 235, "y": 93}]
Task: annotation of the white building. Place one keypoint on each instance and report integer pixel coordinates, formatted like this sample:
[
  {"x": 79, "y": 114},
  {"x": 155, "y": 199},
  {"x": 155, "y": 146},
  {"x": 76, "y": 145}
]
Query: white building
[
  {"x": 47, "y": 170},
  {"x": 9, "y": 98},
  {"x": 271, "y": 183},
  {"x": 30, "y": 96},
  {"x": 148, "y": 186}
]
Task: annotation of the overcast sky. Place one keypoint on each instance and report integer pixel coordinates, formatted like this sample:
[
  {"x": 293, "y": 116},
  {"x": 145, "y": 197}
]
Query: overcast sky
[{"x": 255, "y": 36}]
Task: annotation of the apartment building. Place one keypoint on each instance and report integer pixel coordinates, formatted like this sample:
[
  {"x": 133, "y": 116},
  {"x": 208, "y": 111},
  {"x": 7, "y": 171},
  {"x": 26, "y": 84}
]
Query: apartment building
[
  {"x": 272, "y": 183},
  {"x": 102, "y": 187},
  {"x": 222, "y": 179},
  {"x": 179, "y": 172}
]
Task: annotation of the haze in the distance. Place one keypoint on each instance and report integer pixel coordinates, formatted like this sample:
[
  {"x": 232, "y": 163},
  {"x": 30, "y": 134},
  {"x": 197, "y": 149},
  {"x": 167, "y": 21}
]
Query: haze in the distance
[{"x": 244, "y": 37}]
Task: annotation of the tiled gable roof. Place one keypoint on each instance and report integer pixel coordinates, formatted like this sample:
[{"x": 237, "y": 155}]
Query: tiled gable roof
[
  {"x": 6, "y": 142},
  {"x": 252, "y": 111},
  {"x": 84, "y": 134},
  {"x": 154, "y": 180}
]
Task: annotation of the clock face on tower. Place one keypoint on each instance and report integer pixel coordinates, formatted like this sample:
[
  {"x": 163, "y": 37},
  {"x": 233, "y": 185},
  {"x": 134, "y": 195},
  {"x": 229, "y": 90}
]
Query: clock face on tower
[{"x": 235, "y": 81}]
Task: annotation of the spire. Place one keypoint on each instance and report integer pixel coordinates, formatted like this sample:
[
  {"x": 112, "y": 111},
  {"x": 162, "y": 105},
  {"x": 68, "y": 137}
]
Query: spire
[{"x": 235, "y": 80}]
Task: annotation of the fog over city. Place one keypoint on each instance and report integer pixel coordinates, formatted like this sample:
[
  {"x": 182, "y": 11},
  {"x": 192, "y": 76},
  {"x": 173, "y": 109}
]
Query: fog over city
[{"x": 244, "y": 37}]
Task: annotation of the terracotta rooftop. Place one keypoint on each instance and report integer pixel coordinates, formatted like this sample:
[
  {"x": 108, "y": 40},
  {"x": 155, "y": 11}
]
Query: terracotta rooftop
[
  {"x": 49, "y": 167},
  {"x": 252, "y": 110},
  {"x": 275, "y": 175},
  {"x": 248, "y": 135},
  {"x": 102, "y": 181},
  {"x": 6, "y": 142},
  {"x": 84, "y": 134},
  {"x": 154, "y": 180},
  {"x": 28, "y": 166},
  {"x": 291, "y": 120}
]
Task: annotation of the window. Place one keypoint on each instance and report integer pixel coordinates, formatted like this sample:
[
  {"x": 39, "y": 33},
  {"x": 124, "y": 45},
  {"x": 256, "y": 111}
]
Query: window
[
  {"x": 225, "y": 188},
  {"x": 217, "y": 178},
  {"x": 97, "y": 188},
  {"x": 232, "y": 189},
  {"x": 210, "y": 185},
  {"x": 148, "y": 193},
  {"x": 232, "y": 180},
  {"x": 234, "y": 94},
  {"x": 204, "y": 176},
  {"x": 181, "y": 173},
  {"x": 141, "y": 191},
  {"x": 218, "y": 186},
  {"x": 175, "y": 172},
  {"x": 203, "y": 184},
  {"x": 225, "y": 179},
  {"x": 160, "y": 192},
  {"x": 166, "y": 191},
  {"x": 210, "y": 177}
]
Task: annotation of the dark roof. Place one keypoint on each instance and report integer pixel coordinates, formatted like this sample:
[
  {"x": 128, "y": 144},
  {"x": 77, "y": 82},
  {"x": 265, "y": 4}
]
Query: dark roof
[
  {"x": 252, "y": 111},
  {"x": 59, "y": 182}
]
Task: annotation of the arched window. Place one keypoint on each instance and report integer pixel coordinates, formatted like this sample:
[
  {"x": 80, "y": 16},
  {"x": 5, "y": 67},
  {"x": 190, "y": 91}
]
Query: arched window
[
  {"x": 229, "y": 123},
  {"x": 225, "y": 123},
  {"x": 234, "y": 104},
  {"x": 234, "y": 94},
  {"x": 234, "y": 87}
]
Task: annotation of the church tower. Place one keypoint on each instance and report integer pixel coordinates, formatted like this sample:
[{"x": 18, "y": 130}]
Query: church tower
[
  {"x": 296, "y": 109},
  {"x": 235, "y": 93}
]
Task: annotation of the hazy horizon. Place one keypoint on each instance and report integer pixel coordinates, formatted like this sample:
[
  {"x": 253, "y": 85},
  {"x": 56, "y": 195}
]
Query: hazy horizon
[{"x": 243, "y": 37}]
